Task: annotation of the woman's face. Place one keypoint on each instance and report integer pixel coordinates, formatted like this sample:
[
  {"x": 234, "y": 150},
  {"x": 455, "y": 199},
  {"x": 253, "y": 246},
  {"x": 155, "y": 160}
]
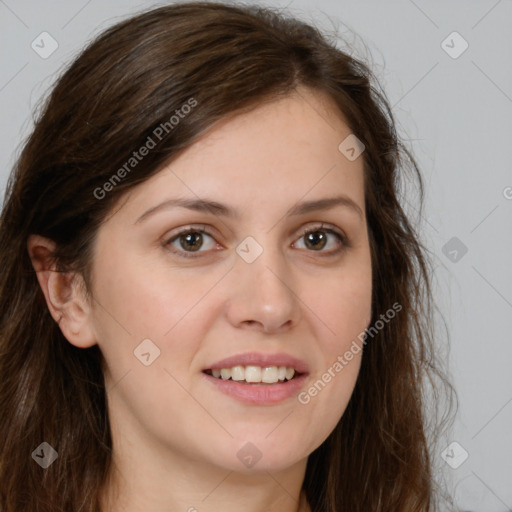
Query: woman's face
[{"x": 245, "y": 282}]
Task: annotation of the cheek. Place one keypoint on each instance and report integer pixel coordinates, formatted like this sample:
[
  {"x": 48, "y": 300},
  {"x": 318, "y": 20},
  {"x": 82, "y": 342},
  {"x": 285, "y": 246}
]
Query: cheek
[
  {"x": 147, "y": 299},
  {"x": 342, "y": 311},
  {"x": 342, "y": 305},
  {"x": 136, "y": 302}
]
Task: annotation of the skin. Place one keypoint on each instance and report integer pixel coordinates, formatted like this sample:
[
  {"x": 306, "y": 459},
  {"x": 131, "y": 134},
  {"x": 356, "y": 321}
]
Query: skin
[{"x": 175, "y": 436}]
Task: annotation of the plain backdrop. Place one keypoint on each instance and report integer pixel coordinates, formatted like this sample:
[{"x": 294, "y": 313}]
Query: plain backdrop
[{"x": 447, "y": 70}]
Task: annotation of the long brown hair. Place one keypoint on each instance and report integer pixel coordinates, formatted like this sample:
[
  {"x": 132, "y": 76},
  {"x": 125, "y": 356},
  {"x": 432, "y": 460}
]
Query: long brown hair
[{"x": 128, "y": 82}]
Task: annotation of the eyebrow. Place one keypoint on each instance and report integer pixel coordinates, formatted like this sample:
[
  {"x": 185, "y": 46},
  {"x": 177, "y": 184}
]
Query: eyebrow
[{"x": 216, "y": 208}]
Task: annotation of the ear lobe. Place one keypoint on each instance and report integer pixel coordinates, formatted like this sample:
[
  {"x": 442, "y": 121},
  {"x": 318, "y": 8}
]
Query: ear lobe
[{"x": 64, "y": 293}]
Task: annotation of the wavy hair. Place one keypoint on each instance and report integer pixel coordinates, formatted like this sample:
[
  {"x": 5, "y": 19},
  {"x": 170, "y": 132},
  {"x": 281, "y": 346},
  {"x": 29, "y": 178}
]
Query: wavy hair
[{"x": 129, "y": 80}]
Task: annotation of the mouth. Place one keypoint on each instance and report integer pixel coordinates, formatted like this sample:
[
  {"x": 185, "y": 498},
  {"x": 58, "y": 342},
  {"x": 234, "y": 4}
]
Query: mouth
[
  {"x": 257, "y": 378},
  {"x": 254, "y": 375}
]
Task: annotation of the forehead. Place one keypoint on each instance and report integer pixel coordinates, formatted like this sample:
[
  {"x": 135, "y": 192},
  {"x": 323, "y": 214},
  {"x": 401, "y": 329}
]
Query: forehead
[
  {"x": 279, "y": 152},
  {"x": 305, "y": 118}
]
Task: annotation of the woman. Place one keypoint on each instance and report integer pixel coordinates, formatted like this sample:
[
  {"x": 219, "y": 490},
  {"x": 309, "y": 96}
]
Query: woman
[{"x": 211, "y": 295}]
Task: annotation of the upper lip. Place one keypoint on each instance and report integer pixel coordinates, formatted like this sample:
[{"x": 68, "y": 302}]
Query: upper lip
[{"x": 260, "y": 359}]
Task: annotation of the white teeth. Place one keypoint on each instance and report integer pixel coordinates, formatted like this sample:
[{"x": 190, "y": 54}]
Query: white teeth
[
  {"x": 252, "y": 374},
  {"x": 238, "y": 373},
  {"x": 255, "y": 374},
  {"x": 269, "y": 374}
]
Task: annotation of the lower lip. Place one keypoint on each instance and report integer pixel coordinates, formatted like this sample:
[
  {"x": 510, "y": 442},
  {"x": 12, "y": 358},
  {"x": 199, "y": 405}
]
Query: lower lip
[{"x": 258, "y": 394}]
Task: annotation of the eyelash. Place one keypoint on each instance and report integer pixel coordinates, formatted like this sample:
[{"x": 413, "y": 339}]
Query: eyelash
[{"x": 342, "y": 239}]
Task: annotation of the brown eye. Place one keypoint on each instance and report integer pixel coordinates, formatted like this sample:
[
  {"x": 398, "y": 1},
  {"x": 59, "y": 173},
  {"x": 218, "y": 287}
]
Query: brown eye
[
  {"x": 190, "y": 241},
  {"x": 316, "y": 239}
]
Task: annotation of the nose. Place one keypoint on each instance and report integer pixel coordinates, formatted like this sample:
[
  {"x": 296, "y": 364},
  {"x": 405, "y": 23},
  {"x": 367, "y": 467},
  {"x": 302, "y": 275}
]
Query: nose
[{"x": 262, "y": 295}]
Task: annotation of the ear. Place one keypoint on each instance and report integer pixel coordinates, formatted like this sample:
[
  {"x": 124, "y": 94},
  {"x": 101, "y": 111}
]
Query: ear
[{"x": 64, "y": 293}]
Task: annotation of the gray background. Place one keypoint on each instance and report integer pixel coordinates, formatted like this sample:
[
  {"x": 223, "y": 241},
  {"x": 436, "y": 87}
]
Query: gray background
[{"x": 455, "y": 114}]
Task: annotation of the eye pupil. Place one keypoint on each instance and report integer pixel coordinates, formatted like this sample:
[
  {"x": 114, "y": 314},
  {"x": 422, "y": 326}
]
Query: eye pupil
[
  {"x": 315, "y": 237},
  {"x": 188, "y": 237}
]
